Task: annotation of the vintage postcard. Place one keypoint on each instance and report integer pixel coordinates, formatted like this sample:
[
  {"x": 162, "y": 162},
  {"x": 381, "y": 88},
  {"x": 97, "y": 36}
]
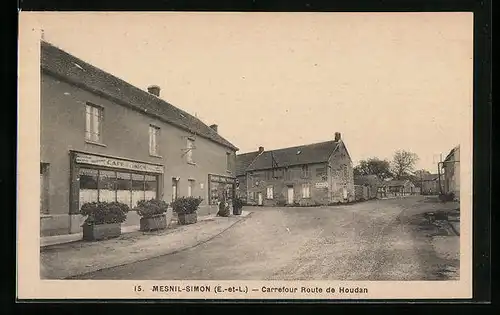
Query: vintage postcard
[{"x": 227, "y": 156}]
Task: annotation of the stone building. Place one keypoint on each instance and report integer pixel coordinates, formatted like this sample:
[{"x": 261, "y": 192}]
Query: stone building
[
  {"x": 451, "y": 167},
  {"x": 103, "y": 139},
  {"x": 313, "y": 174}
]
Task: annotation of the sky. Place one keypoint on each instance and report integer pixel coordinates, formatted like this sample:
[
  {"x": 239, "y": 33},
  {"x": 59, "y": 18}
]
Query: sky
[{"x": 385, "y": 81}]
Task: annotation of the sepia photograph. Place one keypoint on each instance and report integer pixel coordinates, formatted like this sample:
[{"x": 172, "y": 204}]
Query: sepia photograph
[{"x": 249, "y": 155}]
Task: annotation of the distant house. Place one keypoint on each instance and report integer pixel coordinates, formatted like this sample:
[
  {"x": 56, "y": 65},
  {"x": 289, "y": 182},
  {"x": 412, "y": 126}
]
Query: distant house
[
  {"x": 243, "y": 161},
  {"x": 372, "y": 186},
  {"x": 312, "y": 174},
  {"x": 402, "y": 187},
  {"x": 429, "y": 184},
  {"x": 451, "y": 167}
]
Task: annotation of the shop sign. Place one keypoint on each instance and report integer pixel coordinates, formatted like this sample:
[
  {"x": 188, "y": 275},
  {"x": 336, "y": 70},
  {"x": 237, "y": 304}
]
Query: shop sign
[
  {"x": 221, "y": 179},
  {"x": 321, "y": 185},
  {"x": 117, "y": 163}
]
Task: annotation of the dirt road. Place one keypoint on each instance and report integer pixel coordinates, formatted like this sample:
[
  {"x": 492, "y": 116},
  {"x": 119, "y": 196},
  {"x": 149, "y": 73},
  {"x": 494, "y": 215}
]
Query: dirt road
[{"x": 374, "y": 240}]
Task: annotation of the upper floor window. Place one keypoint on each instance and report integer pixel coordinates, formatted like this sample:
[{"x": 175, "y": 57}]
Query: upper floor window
[
  {"x": 154, "y": 136},
  {"x": 189, "y": 152},
  {"x": 228, "y": 161},
  {"x": 305, "y": 171},
  {"x": 93, "y": 123}
]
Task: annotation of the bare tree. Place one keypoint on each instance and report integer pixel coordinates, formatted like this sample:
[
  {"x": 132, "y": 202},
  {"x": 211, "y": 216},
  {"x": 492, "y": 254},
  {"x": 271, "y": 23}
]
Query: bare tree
[{"x": 403, "y": 163}]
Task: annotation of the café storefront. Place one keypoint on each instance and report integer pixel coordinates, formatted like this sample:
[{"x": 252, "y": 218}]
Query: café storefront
[
  {"x": 105, "y": 178},
  {"x": 219, "y": 186}
]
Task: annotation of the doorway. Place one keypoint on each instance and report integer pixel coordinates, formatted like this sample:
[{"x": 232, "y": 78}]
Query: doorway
[
  {"x": 290, "y": 196},
  {"x": 260, "y": 200},
  {"x": 175, "y": 184}
]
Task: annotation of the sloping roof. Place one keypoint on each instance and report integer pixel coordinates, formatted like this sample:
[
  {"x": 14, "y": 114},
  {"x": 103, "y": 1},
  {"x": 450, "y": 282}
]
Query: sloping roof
[
  {"x": 366, "y": 180},
  {"x": 298, "y": 155},
  {"x": 452, "y": 152},
  {"x": 430, "y": 177},
  {"x": 243, "y": 161},
  {"x": 395, "y": 182},
  {"x": 61, "y": 64}
]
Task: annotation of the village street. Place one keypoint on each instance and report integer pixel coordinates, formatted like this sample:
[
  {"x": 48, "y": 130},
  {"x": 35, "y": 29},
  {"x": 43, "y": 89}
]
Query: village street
[{"x": 373, "y": 240}]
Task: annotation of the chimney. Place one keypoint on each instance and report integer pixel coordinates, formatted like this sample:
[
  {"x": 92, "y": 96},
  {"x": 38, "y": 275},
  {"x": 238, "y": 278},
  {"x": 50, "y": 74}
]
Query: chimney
[
  {"x": 261, "y": 149},
  {"x": 154, "y": 89},
  {"x": 337, "y": 136},
  {"x": 214, "y": 127}
]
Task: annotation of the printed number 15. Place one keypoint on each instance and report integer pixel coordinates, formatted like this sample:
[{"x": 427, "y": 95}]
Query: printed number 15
[{"x": 137, "y": 288}]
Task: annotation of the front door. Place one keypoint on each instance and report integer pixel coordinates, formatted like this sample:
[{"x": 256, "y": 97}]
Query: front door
[
  {"x": 260, "y": 199},
  {"x": 290, "y": 195}
]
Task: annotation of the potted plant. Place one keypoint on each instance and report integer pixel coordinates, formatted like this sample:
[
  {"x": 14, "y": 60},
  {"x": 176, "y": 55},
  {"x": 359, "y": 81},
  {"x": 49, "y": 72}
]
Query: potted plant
[
  {"x": 103, "y": 220},
  {"x": 237, "y": 206},
  {"x": 186, "y": 208},
  {"x": 152, "y": 213}
]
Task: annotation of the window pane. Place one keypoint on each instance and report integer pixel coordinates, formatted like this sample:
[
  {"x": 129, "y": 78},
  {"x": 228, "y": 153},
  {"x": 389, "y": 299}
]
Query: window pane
[
  {"x": 88, "y": 119},
  {"x": 150, "y": 187},
  {"x": 137, "y": 188},
  {"x": 107, "y": 190},
  {"x": 123, "y": 187},
  {"x": 88, "y": 186}
]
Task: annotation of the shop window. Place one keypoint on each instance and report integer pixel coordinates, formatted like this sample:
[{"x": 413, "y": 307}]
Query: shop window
[
  {"x": 306, "y": 191},
  {"x": 93, "y": 123},
  {"x": 154, "y": 136},
  {"x": 88, "y": 185},
  {"x": 110, "y": 186},
  {"x": 137, "y": 189},
  {"x": 124, "y": 188},
  {"x": 150, "y": 187},
  {"x": 270, "y": 192}
]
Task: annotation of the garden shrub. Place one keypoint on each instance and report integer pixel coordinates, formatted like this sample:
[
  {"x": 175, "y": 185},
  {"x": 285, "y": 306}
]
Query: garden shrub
[
  {"x": 186, "y": 205},
  {"x": 151, "y": 208},
  {"x": 104, "y": 212}
]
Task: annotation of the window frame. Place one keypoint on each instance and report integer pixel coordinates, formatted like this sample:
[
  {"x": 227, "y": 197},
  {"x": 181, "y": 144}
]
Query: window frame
[
  {"x": 156, "y": 131},
  {"x": 272, "y": 192},
  {"x": 306, "y": 187},
  {"x": 190, "y": 145},
  {"x": 228, "y": 162},
  {"x": 90, "y": 123}
]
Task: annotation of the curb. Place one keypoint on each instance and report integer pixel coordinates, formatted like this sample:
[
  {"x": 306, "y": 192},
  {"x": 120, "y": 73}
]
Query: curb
[{"x": 75, "y": 276}]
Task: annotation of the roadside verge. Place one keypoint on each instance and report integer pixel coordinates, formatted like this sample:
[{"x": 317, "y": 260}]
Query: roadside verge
[{"x": 69, "y": 260}]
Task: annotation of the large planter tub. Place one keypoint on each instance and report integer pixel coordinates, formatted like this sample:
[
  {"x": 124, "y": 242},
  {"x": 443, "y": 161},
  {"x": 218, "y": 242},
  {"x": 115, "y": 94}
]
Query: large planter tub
[
  {"x": 187, "y": 218},
  {"x": 101, "y": 231},
  {"x": 158, "y": 222}
]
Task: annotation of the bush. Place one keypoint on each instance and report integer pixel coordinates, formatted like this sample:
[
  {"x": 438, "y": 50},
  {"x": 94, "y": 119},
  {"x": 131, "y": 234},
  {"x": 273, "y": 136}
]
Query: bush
[
  {"x": 104, "y": 212},
  {"x": 186, "y": 205},
  {"x": 151, "y": 208},
  {"x": 238, "y": 203}
]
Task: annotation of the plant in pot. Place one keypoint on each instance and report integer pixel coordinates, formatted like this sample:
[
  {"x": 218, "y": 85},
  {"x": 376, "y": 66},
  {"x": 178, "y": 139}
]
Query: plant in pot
[
  {"x": 237, "y": 206},
  {"x": 103, "y": 220},
  {"x": 153, "y": 214},
  {"x": 186, "y": 208}
]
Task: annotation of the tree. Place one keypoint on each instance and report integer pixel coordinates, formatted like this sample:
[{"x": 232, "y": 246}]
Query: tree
[
  {"x": 403, "y": 163},
  {"x": 373, "y": 166}
]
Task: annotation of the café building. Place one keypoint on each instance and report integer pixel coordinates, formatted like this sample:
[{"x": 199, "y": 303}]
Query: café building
[{"x": 103, "y": 139}]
